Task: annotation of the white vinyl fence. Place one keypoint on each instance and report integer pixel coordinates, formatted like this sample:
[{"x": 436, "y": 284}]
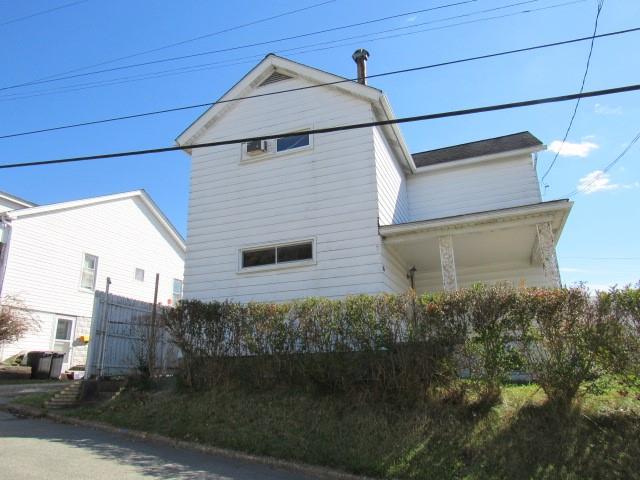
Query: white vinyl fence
[{"x": 122, "y": 332}]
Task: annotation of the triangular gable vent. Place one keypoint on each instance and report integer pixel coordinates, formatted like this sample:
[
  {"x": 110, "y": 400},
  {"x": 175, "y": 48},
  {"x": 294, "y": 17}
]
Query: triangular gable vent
[{"x": 275, "y": 77}]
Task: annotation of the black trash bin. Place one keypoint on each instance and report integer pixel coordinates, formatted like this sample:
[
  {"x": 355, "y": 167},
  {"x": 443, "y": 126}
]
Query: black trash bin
[
  {"x": 55, "y": 368},
  {"x": 40, "y": 364}
]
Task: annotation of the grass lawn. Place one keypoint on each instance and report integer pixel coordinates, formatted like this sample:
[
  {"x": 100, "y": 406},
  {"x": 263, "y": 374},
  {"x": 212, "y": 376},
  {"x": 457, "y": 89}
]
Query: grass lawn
[
  {"x": 519, "y": 438},
  {"x": 33, "y": 399}
]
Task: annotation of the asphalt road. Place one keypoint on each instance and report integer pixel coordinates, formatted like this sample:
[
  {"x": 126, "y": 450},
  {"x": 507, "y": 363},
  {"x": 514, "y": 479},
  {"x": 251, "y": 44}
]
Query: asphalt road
[{"x": 37, "y": 449}]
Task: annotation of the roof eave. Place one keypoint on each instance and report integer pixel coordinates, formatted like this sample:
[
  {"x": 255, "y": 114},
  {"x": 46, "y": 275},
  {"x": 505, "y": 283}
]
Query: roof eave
[
  {"x": 142, "y": 194},
  {"x": 561, "y": 207},
  {"x": 481, "y": 158},
  {"x": 304, "y": 71}
]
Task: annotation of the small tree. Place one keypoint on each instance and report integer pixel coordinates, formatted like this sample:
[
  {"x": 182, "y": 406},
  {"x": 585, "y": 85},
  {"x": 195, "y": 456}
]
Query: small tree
[
  {"x": 567, "y": 336},
  {"x": 15, "y": 320},
  {"x": 490, "y": 351},
  {"x": 622, "y": 305}
]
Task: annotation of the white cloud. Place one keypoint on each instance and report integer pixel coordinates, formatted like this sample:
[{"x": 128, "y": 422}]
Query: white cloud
[
  {"x": 412, "y": 18},
  {"x": 601, "y": 109},
  {"x": 596, "y": 181},
  {"x": 599, "y": 181},
  {"x": 568, "y": 149}
]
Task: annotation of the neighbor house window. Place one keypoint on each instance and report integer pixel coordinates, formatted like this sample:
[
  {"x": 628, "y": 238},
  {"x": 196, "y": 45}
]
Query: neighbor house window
[
  {"x": 89, "y": 269},
  {"x": 288, "y": 143},
  {"x": 277, "y": 254},
  {"x": 139, "y": 274},
  {"x": 177, "y": 291}
]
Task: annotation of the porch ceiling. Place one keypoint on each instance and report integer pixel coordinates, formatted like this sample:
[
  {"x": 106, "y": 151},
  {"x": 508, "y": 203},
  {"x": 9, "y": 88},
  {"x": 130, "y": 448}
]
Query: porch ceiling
[
  {"x": 495, "y": 237},
  {"x": 512, "y": 245}
]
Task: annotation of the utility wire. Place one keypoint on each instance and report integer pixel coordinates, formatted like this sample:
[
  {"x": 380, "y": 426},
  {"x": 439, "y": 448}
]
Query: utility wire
[
  {"x": 418, "y": 118},
  {"x": 188, "y": 40},
  {"x": 346, "y": 80},
  {"x": 585, "y": 188},
  {"x": 584, "y": 79},
  {"x": 43, "y": 12},
  {"x": 268, "y": 42},
  {"x": 295, "y": 51}
]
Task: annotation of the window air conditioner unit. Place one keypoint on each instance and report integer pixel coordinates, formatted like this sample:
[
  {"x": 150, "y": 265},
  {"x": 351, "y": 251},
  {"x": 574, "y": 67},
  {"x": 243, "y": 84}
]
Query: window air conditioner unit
[{"x": 256, "y": 147}]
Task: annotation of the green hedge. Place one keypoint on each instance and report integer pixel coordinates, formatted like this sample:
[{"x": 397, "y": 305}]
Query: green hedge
[{"x": 403, "y": 346}]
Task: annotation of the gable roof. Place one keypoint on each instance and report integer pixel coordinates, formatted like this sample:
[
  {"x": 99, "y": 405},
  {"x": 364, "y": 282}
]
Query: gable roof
[
  {"x": 480, "y": 148},
  {"x": 17, "y": 200},
  {"x": 273, "y": 63},
  {"x": 141, "y": 194}
]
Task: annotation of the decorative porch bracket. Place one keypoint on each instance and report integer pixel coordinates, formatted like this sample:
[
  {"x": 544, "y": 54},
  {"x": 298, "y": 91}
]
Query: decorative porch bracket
[
  {"x": 548, "y": 254},
  {"x": 448, "y": 264}
]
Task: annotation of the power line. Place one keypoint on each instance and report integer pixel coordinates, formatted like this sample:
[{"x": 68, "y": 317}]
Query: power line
[
  {"x": 585, "y": 188},
  {"x": 418, "y": 118},
  {"x": 584, "y": 79},
  {"x": 277, "y": 40},
  {"x": 43, "y": 12},
  {"x": 295, "y": 51},
  {"x": 188, "y": 40},
  {"x": 348, "y": 80}
]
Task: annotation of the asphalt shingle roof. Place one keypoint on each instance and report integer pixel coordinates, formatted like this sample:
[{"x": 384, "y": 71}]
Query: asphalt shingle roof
[{"x": 515, "y": 141}]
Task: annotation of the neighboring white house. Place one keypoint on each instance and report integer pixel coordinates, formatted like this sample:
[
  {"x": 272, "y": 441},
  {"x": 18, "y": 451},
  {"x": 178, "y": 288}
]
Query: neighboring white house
[
  {"x": 353, "y": 211},
  {"x": 55, "y": 256}
]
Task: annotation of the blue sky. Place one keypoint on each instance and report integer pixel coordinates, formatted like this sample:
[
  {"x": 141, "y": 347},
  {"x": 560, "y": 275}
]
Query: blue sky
[{"x": 600, "y": 241}]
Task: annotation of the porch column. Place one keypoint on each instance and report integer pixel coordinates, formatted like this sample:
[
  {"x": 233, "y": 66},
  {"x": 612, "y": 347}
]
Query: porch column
[
  {"x": 548, "y": 254},
  {"x": 448, "y": 264}
]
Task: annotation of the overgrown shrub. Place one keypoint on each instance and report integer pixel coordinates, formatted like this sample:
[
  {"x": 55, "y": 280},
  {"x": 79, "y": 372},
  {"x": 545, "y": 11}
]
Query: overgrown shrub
[
  {"x": 563, "y": 339},
  {"x": 399, "y": 346},
  {"x": 386, "y": 345},
  {"x": 622, "y": 305},
  {"x": 490, "y": 353}
]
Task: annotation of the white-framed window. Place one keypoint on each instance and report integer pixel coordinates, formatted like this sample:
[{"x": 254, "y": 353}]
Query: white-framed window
[
  {"x": 139, "y": 275},
  {"x": 277, "y": 255},
  {"x": 176, "y": 294},
  {"x": 289, "y": 143},
  {"x": 89, "y": 271},
  {"x": 261, "y": 149}
]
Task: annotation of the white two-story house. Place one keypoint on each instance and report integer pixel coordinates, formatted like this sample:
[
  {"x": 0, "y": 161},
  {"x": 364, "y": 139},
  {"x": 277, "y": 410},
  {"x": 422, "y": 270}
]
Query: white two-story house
[
  {"x": 53, "y": 258},
  {"x": 351, "y": 212}
]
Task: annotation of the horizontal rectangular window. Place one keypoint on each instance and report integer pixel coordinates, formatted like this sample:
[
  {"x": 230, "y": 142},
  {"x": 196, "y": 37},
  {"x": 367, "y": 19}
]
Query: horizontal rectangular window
[
  {"x": 289, "y": 143},
  {"x": 278, "y": 254}
]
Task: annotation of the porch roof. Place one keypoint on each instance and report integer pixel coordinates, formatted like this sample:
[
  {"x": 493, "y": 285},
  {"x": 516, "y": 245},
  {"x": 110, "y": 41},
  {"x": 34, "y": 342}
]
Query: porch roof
[{"x": 555, "y": 211}]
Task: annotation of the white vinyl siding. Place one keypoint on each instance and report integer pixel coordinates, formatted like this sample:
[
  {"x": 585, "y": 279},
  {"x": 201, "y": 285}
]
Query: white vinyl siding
[
  {"x": 492, "y": 185},
  {"x": 391, "y": 182},
  {"x": 327, "y": 193},
  {"x": 122, "y": 234}
]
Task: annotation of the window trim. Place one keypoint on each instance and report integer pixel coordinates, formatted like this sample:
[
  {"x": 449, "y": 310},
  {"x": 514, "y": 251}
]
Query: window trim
[
  {"x": 278, "y": 266},
  {"x": 95, "y": 276},
  {"x": 272, "y": 151}
]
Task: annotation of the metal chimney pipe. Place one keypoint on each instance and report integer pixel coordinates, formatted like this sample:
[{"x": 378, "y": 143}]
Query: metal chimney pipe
[{"x": 360, "y": 56}]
